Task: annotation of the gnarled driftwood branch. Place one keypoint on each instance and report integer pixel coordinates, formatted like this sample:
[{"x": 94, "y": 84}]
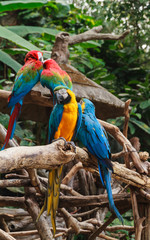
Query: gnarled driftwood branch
[{"x": 48, "y": 156}]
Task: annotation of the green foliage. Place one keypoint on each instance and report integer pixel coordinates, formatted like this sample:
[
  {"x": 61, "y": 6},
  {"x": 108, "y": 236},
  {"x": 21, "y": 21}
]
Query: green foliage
[
  {"x": 128, "y": 221},
  {"x": 9, "y": 35},
  {"x": 24, "y": 30},
  {"x": 24, "y": 135},
  {"x": 5, "y": 58},
  {"x": 20, "y": 4}
]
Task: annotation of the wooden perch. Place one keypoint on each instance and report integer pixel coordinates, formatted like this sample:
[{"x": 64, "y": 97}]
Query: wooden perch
[
  {"x": 120, "y": 171},
  {"x": 52, "y": 155},
  {"x": 48, "y": 156}
]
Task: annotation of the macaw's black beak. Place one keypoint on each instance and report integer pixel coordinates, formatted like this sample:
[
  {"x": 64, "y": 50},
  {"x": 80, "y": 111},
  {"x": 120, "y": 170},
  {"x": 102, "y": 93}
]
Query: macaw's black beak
[{"x": 59, "y": 98}]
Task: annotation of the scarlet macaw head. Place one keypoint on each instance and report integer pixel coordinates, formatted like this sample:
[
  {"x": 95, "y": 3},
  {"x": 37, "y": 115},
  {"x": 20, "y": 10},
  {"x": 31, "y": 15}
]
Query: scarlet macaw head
[
  {"x": 50, "y": 63},
  {"x": 34, "y": 55}
]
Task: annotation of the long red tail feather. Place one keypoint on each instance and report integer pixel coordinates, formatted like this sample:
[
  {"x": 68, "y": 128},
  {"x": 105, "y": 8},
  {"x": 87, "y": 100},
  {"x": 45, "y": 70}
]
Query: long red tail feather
[{"x": 12, "y": 119}]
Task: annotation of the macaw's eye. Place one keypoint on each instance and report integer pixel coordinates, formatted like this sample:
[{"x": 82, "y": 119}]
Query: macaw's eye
[{"x": 62, "y": 91}]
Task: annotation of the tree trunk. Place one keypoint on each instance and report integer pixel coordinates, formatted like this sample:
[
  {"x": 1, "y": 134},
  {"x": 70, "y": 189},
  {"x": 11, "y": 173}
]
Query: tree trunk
[{"x": 144, "y": 211}]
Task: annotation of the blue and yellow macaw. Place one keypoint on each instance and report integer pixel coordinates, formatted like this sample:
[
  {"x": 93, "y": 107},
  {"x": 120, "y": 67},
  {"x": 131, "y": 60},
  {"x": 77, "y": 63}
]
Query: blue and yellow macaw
[
  {"x": 94, "y": 137},
  {"x": 64, "y": 122},
  {"x": 53, "y": 76},
  {"x": 25, "y": 80}
]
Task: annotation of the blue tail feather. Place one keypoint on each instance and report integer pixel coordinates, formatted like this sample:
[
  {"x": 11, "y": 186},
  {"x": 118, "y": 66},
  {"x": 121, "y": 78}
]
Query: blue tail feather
[
  {"x": 107, "y": 177},
  {"x": 100, "y": 174}
]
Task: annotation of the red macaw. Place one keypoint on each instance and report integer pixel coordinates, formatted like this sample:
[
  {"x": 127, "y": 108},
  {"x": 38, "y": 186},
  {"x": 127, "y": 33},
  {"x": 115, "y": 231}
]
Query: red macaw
[
  {"x": 25, "y": 80},
  {"x": 53, "y": 76}
]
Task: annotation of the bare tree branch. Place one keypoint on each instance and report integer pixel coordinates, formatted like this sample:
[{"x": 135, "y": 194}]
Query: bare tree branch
[
  {"x": 15, "y": 183},
  {"x": 24, "y": 233},
  {"x": 137, "y": 220},
  {"x": 70, "y": 190},
  {"x": 92, "y": 200},
  {"x": 94, "y": 34},
  {"x": 5, "y": 236},
  {"x": 48, "y": 156},
  {"x": 70, "y": 221},
  {"x": 3, "y": 131},
  {"x": 116, "y": 133},
  {"x": 102, "y": 228},
  {"x": 72, "y": 173},
  {"x": 11, "y": 201},
  {"x": 106, "y": 237},
  {"x": 60, "y": 52},
  {"x": 35, "y": 182},
  {"x": 85, "y": 213},
  {"x": 41, "y": 225}
]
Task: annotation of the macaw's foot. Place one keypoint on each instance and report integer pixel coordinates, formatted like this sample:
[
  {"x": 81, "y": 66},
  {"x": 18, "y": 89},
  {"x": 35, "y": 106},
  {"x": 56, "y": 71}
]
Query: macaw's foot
[
  {"x": 70, "y": 146},
  {"x": 65, "y": 142},
  {"x": 67, "y": 145}
]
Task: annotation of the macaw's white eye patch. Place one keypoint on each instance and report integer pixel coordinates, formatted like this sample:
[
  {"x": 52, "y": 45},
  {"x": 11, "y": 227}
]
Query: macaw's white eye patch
[
  {"x": 63, "y": 92},
  {"x": 40, "y": 57}
]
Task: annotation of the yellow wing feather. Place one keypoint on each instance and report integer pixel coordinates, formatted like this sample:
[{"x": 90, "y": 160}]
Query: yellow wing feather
[{"x": 56, "y": 191}]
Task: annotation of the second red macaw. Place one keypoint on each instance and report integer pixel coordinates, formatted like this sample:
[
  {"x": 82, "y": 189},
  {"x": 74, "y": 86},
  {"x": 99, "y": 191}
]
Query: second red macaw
[{"x": 53, "y": 76}]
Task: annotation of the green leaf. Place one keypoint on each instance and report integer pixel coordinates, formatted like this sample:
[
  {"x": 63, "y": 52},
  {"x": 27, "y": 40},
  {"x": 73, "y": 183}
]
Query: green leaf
[
  {"x": 87, "y": 63},
  {"x": 4, "y": 119},
  {"x": 21, "y": 4},
  {"x": 141, "y": 125},
  {"x": 90, "y": 44},
  {"x": 145, "y": 104},
  {"x": 6, "y": 59},
  {"x": 24, "y": 30},
  {"x": 9, "y": 35},
  {"x": 63, "y": 10},
  {"x": 138, "y": 115},
  {"x": 132, "y": 128},
  {"x": 2, "y": 80},
  {"x": 16, "y": 189}
]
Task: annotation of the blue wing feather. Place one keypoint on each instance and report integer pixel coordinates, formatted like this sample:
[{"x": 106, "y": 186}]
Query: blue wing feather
[
  {"x": 79, "y": 121},
  {"x": 94, "y": 137},
  {"x": 24, "y": 82},
  {"x": 54, "y": 121}
]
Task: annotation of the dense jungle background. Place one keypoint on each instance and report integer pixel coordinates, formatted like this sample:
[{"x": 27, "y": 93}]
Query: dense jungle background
[{"x": 122, "y": 67}]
